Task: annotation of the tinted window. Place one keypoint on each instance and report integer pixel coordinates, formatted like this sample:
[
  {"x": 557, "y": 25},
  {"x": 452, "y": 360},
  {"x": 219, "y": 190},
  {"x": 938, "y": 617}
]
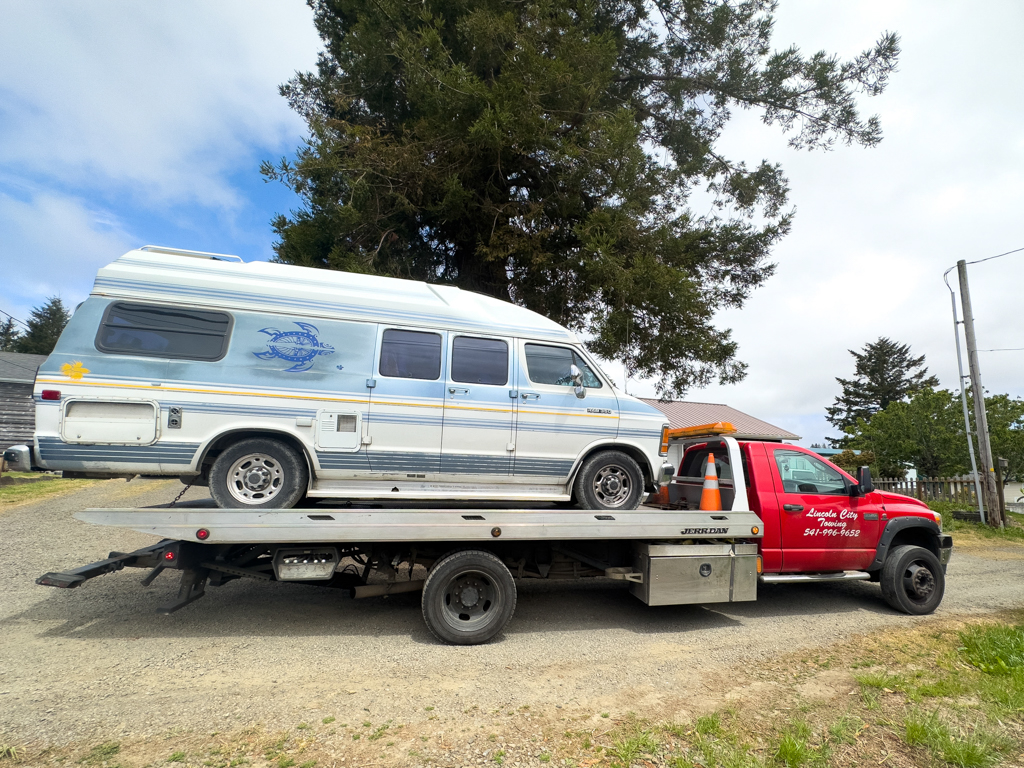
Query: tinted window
[
  {"x": 550, "y": 365},
  {"x": 410, "y": 355},
  {"x": 479, "y": 361},
  {"x": 175, "y": 332},
  {"x": 804, "y": 474}
]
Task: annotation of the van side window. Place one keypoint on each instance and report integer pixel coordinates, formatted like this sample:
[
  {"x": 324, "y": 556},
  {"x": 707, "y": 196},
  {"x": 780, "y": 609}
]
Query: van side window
[
  {"x": 550, "y": 365},
  {"x": 479, "y": 361},
  {"x": 172, "y": 332},
  {"x": 410, "y": 355},
  {"x": 803, "y": 474}
]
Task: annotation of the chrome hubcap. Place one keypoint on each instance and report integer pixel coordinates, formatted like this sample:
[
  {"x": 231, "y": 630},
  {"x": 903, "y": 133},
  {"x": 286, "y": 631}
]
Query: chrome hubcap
[
  {"x": 612, "y": 486},
  {"x": 255, "y": 478}
]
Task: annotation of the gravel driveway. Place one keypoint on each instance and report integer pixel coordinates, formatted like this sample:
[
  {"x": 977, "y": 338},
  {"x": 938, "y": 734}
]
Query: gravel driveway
[{"x": 98, "y": 662}]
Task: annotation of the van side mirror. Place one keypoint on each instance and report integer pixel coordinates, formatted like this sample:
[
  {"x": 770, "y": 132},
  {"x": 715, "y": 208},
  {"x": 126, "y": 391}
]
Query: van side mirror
[
  {"x": 864, "y": 484},
  {"x": 577, "y": 381}
]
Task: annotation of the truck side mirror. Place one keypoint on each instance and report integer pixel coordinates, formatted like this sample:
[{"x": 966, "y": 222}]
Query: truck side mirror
[{"x": 864, "y": 484}]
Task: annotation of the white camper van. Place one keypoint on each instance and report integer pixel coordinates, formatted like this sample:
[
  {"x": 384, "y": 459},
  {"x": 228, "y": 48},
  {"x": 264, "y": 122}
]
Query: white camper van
[{"x": 271, "y": 383}]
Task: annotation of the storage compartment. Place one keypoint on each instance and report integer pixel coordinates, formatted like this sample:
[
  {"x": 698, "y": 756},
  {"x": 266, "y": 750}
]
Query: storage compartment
[
  {"x": 339, "y": 430},
  {"x": 680, "y": 574},
  {"x": 110, "y": 422},
  {"x": 305, "y": 564}
]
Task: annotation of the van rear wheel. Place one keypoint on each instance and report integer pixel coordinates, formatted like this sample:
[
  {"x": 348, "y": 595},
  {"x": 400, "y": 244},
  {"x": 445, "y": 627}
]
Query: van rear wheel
[
  {"x": 258, "y": 473},
  {"x": 609, "y": 480}
]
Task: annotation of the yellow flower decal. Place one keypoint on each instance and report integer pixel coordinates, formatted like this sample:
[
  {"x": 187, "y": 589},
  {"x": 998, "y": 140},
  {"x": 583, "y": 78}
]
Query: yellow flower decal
[{"x": 74, "y": 370}]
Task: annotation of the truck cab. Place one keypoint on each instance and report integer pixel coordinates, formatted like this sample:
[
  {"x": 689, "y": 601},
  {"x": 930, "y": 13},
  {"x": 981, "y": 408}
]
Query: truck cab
[{"x": 820, "y": 523}]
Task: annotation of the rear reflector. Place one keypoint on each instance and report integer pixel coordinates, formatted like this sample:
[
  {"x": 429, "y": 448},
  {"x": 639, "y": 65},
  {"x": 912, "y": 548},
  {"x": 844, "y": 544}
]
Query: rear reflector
[{"x": 50, "y": 394}]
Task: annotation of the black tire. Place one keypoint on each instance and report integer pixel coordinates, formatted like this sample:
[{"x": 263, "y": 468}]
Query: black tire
[
  {"x": 913, "y": 580},
  {"x": 609, "y": 480},
  {"x": 468, "y": 597},
  {"x": 258, "y": 473}
]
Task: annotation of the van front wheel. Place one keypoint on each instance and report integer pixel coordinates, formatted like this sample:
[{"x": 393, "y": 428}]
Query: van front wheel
[
  {"x": 259, "y": 473},
  {"x": 609, "y": 480}
]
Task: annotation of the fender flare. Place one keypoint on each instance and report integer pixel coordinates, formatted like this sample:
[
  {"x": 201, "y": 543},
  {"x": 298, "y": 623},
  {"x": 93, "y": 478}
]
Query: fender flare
[{"x": 896, "y": 526}]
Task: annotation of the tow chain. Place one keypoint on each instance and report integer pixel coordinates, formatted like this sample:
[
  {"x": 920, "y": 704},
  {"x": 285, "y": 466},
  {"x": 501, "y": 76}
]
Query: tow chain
[{"x": 178, "y": 497}]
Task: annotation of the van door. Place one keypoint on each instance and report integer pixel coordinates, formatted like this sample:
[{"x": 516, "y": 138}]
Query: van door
[
  {"x": 478, "y": 409},
  {"x": 823, "y": 527},
  {"x": 407, "y": 403},
  {"x": 553, "y": 426}
]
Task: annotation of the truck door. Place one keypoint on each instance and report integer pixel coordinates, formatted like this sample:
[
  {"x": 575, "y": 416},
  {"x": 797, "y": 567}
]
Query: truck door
[
  {"x": 553, "y": 426},
  {"x": 479, "y": 408},
  {"x": 407, "y": 403},
  {"x": 823, "y": 527}
]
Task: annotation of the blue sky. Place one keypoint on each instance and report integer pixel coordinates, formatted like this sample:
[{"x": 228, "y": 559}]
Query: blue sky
[{"x": 123, "y": 124}]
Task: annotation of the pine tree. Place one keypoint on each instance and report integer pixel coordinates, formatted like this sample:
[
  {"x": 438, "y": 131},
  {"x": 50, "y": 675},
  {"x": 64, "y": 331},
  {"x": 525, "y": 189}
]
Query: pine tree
[
  {"x": 44, "y": 328},
  {"x": 885, "y": 372},
  {"x": 8, "y": 335},
  {"x": 544, "y": 152}
]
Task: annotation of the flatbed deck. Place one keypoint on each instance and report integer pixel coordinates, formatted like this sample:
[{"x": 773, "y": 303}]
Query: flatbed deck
[{"x": 333, "y": 524}]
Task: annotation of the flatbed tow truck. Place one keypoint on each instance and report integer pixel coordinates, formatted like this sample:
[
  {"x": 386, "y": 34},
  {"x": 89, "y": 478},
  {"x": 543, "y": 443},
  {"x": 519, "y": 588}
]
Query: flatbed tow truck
[{"x": 671, "y": 553}]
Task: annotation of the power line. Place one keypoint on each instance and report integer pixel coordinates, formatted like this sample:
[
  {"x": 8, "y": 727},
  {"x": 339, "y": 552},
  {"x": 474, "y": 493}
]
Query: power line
[
  {"x": 1003, "y": 349},
  {"x": 998, "y": 255},
  {"x": 2, "y": 312}
]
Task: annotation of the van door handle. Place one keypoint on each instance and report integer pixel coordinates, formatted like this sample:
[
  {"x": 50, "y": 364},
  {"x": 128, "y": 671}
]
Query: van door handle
[
  {"x": 457, "y": 391},
  {"x": 531, "y": 396},
  {"x": 793, "y": 507}
]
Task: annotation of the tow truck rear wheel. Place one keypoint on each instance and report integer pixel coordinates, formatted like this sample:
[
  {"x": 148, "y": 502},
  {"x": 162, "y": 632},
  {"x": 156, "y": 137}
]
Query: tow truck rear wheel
[
  {"x": 912, "y": 580},
  {"x": 468, "y": 597}
]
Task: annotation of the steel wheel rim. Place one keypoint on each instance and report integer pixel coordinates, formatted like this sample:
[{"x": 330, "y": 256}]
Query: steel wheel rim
[
  {"x": 469, "y": 601},
  {"x": 918, "y": 582},
  {"x": 255, "y": 478},
  {"x": 612, "y": 485}
]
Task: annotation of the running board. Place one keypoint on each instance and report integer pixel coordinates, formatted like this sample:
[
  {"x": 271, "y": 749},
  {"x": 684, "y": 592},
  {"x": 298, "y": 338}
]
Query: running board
[
  {"x": 333, "y": 525},
  {"x": 792, "y": 578}
]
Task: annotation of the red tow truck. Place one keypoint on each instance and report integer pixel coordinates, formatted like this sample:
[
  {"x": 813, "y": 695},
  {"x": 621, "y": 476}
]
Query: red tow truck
[
  {"x": 820, "y": 523},
  {"x": 787, "y": 516}
]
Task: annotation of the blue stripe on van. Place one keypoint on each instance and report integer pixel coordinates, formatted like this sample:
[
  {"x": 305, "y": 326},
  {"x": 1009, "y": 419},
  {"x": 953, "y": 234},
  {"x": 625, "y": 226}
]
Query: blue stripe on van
[
  {"x": 55, "y": 450},
  {"x": 348, "y": 461},
  {"x": 548, "y": 467}
]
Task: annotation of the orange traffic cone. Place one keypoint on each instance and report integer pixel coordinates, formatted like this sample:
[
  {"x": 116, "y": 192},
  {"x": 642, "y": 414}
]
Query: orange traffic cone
[{"x": 710, "y": 496}]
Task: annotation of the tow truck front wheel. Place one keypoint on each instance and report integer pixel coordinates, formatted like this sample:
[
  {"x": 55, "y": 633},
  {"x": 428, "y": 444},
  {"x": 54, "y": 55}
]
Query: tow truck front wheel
[
  {"x": 912, "y": 580},
  {"x": 468, "y": 597}
]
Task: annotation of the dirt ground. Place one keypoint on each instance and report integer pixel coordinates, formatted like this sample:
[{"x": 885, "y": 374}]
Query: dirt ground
[{"x": 97, "y": 664}]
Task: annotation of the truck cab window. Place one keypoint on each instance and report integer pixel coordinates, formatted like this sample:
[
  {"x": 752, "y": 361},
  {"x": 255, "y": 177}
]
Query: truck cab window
[
  {"x": 410, "y": 355},
  {"x": 479, "y": 361},
  {"x": 804, "y": 474},
  {"x": 169, "y": 332},
  {"x": 550, "y": 365}
]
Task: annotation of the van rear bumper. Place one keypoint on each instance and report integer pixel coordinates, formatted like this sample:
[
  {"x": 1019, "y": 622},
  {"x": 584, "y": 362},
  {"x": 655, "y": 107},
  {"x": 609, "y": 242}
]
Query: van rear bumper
[{"x": 18, "y": 458}]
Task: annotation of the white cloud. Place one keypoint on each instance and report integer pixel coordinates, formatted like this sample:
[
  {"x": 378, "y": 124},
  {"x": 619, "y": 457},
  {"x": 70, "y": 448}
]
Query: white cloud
[
  {"x": 52, "y": 245},
  {"x": 160, "y": 100}
]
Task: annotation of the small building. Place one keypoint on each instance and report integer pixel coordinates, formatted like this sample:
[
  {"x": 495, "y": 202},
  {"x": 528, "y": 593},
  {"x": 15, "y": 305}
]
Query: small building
[
  {"x": 17, "y": 411},
  {"x": 682, "y": 414}
]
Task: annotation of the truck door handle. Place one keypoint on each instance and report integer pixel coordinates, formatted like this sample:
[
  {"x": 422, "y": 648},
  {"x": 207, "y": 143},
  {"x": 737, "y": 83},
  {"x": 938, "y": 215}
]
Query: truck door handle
[
  {"x": 530, "y": 396},
  {"x": 793, "y": 507}
]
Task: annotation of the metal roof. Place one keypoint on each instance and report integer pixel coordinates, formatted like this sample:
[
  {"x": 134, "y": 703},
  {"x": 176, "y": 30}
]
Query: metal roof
[
  {"x": 686, "y": 414},
  {"x": 19, "y": 367}
]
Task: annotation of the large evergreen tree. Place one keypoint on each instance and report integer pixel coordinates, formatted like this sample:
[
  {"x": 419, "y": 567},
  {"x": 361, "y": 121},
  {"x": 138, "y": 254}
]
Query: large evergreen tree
[
  {"x": 44, "y": 328},
  {"x": 8, "y": 335},
  {"x": 545, "y": 152},
  {"x": 885, "y": 372}
]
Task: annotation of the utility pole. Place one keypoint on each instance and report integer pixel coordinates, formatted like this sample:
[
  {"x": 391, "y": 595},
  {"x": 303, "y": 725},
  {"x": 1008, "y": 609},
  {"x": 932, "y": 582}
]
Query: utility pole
[{"x": 988, "y": 472}]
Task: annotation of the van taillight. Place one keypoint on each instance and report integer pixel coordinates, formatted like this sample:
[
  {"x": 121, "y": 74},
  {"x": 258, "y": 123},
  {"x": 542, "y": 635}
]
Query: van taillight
[{"x": 50, "y": 394}]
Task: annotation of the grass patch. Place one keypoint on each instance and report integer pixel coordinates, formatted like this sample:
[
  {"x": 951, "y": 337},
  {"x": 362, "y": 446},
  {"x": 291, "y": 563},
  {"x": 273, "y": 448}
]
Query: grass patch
[
  {"x": 996, "y": 650},
  {"x": 176, "y": 757},
  {"x": 11, "y": 752},
  {"x": 1014, "y": 530},
  {"x": 12, "y": 495},
  {"x": 101, "y": 753}
]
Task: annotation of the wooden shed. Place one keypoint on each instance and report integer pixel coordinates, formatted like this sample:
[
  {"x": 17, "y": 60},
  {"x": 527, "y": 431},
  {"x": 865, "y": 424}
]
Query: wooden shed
[{"x": 17, "y": 411}]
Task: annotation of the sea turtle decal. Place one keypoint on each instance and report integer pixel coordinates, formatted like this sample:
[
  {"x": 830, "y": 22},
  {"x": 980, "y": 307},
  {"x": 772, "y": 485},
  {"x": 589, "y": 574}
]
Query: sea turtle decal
[{"x": 299, "y": 347}]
